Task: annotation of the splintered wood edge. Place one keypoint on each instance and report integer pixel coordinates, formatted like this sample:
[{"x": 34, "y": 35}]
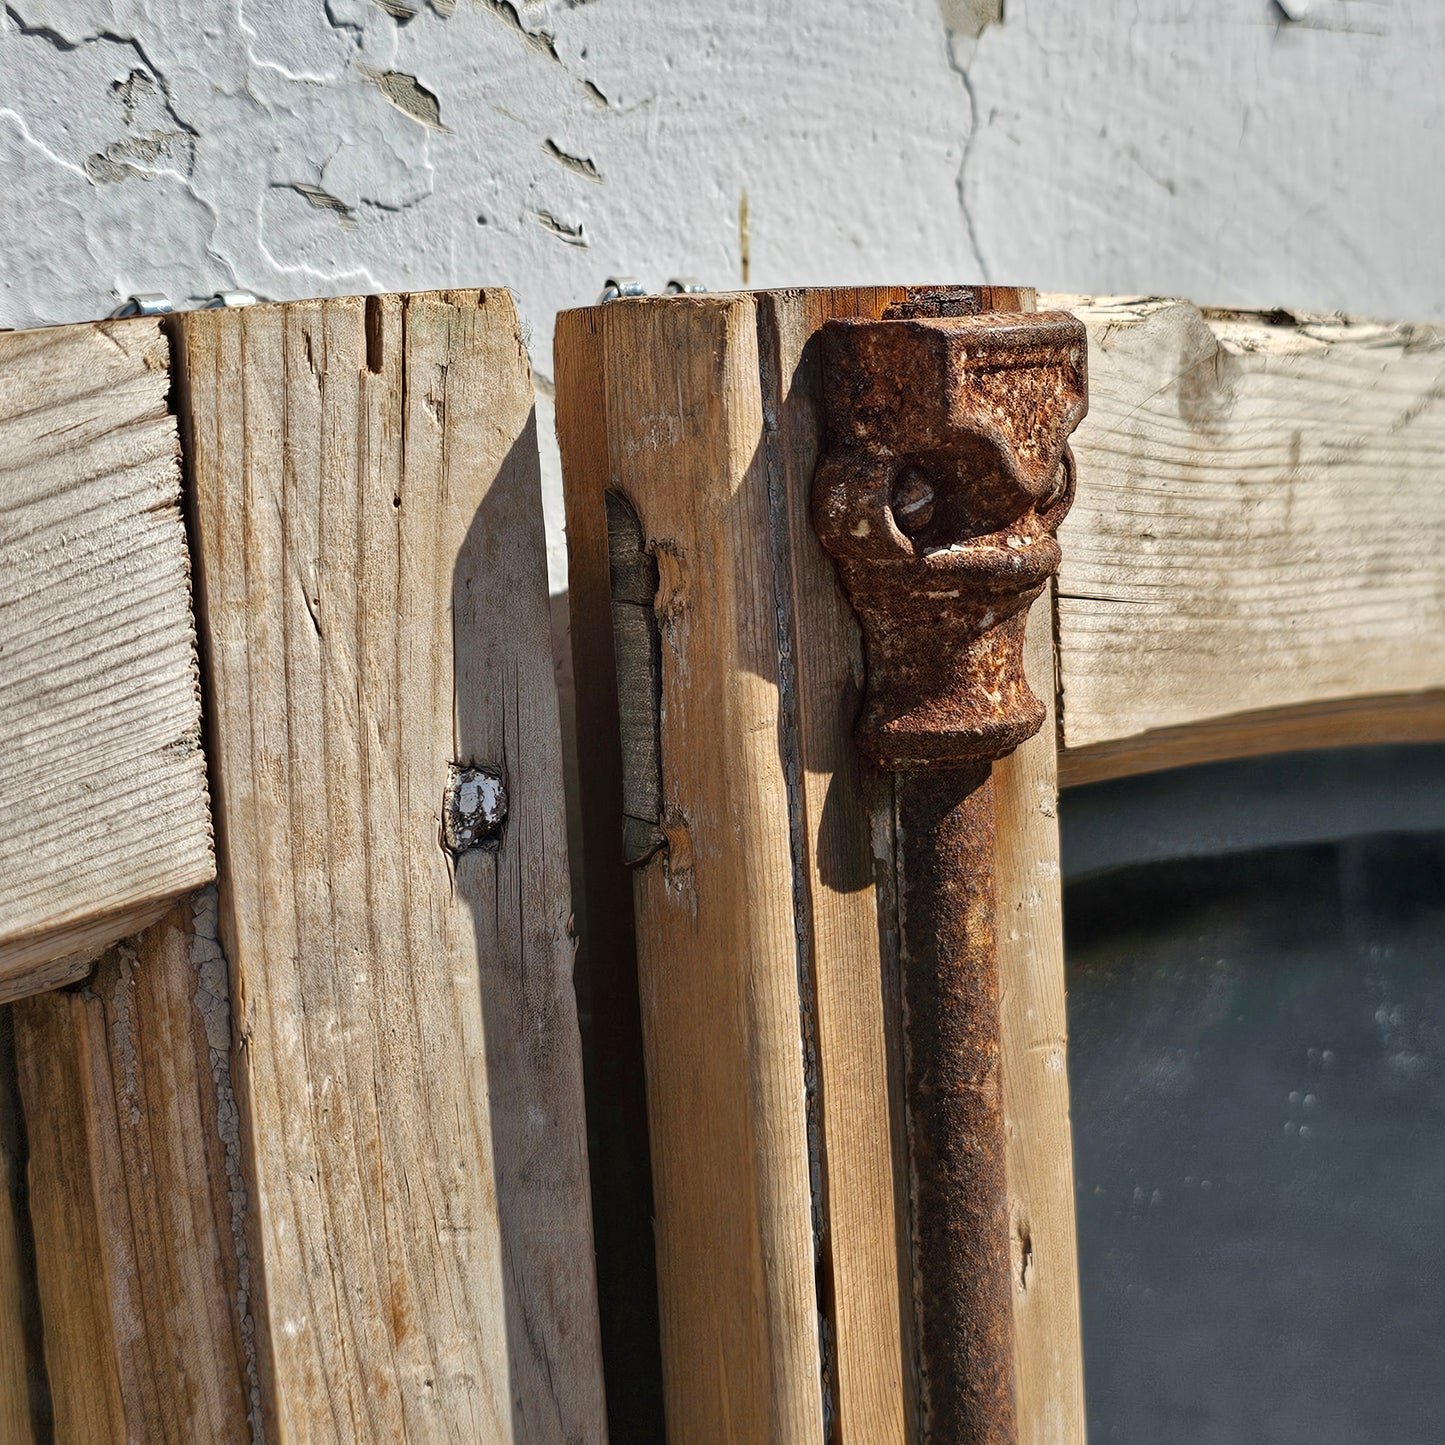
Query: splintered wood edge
[{"x": 64, "y": 955}]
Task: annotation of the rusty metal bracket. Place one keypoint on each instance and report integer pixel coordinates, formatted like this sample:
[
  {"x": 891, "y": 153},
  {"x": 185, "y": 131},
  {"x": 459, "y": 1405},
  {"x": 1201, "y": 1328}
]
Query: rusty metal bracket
[{"x": 945, "y": 475}]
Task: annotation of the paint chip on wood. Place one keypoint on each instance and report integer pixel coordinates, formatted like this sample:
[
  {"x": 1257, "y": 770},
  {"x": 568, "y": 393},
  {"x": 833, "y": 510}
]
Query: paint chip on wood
[{"x": 474, "y": 810}]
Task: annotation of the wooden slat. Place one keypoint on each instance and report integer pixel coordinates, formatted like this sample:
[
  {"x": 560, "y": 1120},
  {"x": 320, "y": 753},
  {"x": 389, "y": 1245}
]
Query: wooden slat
[
  {"x": 1344, "y": 722},
  {"x": 607, "y": 949},
  {"x": 670, "y": 378},
  {"x": 1258, "y": 537},
  {"x": 717, "y": 958},
  {"x": 1034, "y": 1035},
  {"x": 853, "y": 976},
  {"x": 841, "y": 820},
  {"x": 373, "y": 612},
  {"x": 103, "y": 813},
  {"x": 136, "y": 1194}
]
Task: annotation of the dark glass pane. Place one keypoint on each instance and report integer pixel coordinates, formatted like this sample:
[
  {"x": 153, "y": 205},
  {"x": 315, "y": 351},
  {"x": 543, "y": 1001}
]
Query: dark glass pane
[{"x": 1257, "y": 1058}]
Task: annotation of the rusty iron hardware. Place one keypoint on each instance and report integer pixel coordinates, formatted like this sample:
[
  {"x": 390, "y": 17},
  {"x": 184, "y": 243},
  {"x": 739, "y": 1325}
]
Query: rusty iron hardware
[{"x": 945, "y": 474}]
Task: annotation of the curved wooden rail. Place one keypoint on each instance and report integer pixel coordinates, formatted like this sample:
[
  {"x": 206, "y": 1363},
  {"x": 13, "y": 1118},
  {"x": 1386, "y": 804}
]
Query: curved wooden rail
[
  {"x": 1256, "y": 559},
  {"x": 1335, "y": 723}
]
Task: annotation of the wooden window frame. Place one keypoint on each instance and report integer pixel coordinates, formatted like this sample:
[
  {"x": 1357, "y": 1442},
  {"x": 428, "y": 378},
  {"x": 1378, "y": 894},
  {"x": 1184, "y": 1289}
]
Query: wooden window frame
[{"x": 1253, "y": 565}]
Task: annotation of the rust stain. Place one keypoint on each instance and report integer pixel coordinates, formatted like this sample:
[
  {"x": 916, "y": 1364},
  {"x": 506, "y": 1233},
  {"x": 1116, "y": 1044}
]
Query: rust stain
[
  {"x": 403, "y": 1317},
  {"x": 945, "y": 476}
]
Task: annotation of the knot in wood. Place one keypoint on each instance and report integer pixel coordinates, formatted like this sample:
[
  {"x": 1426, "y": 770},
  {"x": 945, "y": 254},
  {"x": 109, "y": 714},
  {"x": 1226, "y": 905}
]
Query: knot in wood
[{"x": 945, "y": 475}]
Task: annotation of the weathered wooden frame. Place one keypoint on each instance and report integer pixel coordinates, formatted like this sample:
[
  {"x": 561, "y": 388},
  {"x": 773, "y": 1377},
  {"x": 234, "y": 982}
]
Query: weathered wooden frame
[
  {"x": 307, "y": 1157},
  {"x": 656, "y": 401},
  {"x": 1254, "y": 564}
]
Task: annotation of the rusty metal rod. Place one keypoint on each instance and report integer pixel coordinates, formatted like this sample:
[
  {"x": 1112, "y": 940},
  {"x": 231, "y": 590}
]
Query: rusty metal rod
[
  {"x": 962, "y": 1279},
  {"x": 945, "y": 476}
]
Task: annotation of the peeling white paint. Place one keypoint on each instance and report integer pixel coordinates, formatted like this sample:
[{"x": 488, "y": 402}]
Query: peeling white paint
[{"x": 1221, "y": 150}]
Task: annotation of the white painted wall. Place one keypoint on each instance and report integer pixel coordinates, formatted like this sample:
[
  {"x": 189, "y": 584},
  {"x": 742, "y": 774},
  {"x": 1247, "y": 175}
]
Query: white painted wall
[{"x": 1212, "y": 148}]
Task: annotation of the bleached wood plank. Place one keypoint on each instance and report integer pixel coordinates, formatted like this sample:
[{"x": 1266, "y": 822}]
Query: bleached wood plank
[
  {"x": 1259, "y": 531},
  {"x": 374, "y": 614},
  {"x": 717, "y": 952},
  {"x": 137, "y": 1201},
  {"x": 103, "y": 811}
]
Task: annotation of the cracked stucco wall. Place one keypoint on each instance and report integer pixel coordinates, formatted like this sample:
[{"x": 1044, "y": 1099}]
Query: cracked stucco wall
[{"x": 1251, "y": 152}]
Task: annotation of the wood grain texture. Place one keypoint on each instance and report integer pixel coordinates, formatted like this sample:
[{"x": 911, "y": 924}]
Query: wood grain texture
[
  {"x": 717, "y": 955},
  {"x": 103, "y": 811},
  {"x": 373, "y": 611},
  {"x": 851, "y": 963},
  {"x": 1034, "y": 1035},
  {"x": 1258, "y": 528},
  {"x": 137, "y": 1201}
]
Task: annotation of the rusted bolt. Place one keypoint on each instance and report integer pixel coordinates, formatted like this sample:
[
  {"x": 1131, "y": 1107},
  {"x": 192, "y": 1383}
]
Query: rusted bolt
[
  {"x": 912, "y": 502},
  {"x": 474, "y": 809},
  {"x": 990, "y": 400}
]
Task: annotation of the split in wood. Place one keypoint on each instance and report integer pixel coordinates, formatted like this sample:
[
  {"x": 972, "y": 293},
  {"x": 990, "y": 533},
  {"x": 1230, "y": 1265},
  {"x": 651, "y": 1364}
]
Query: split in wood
[{"x": 638, "y": 643}]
